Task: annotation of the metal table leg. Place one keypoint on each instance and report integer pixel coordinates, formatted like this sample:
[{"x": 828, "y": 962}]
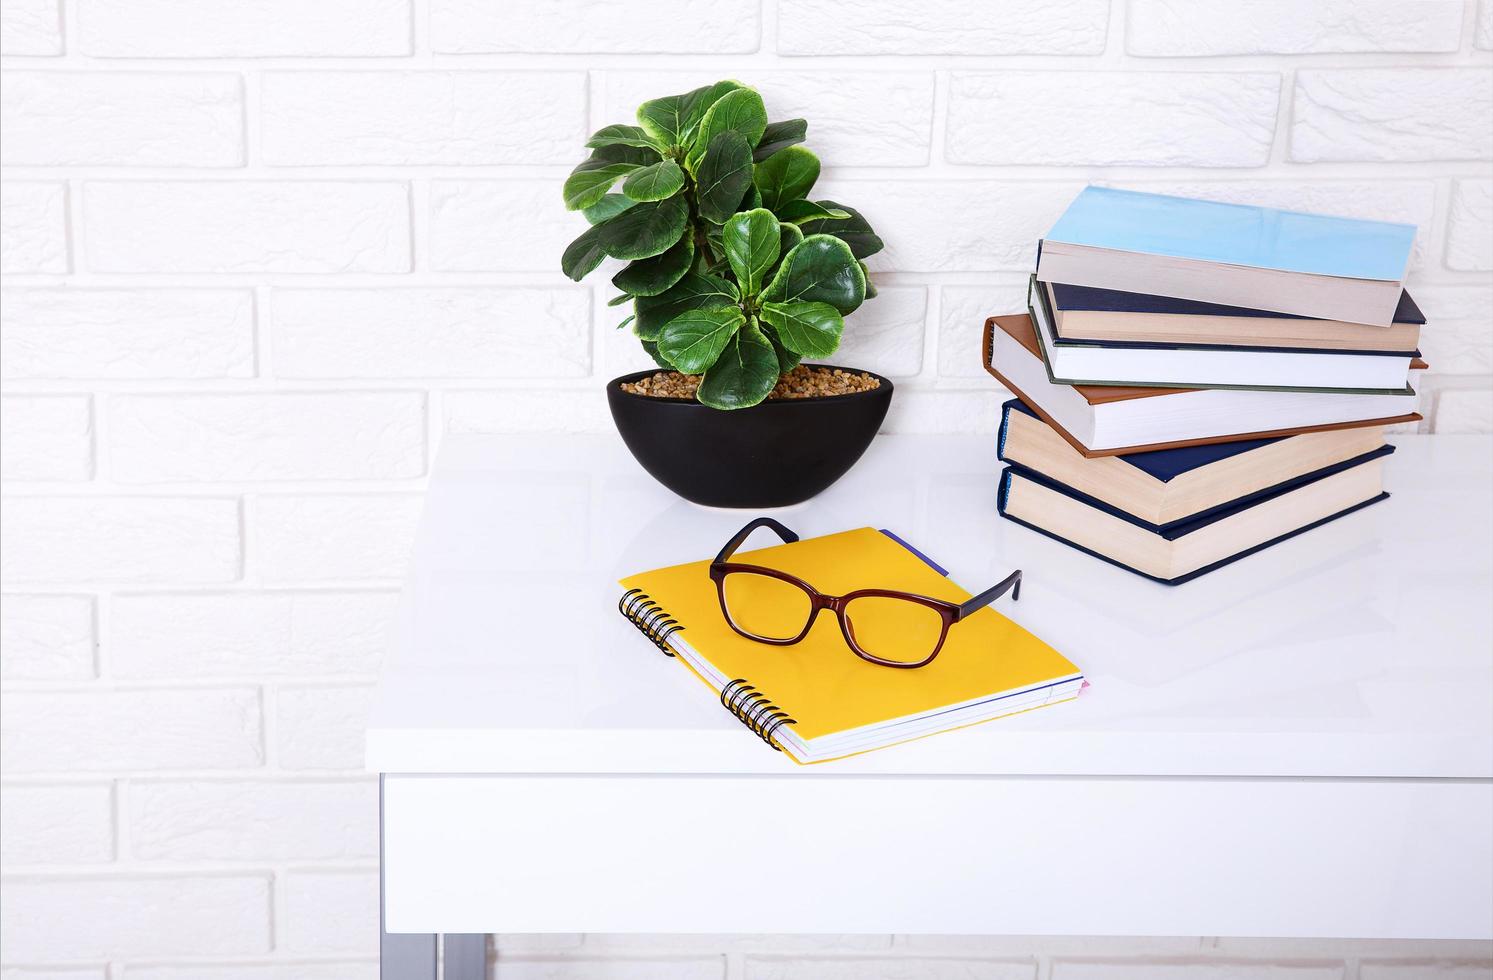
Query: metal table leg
[{"x": 464, "y": 956}]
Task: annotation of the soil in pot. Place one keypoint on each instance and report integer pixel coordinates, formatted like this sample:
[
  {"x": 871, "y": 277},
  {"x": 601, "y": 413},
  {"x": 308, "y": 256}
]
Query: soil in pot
[{"x": 802, "y": 382}]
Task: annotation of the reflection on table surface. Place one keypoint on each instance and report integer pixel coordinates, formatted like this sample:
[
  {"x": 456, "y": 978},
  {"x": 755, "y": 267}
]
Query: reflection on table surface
[{"x": 1375, "y": 627}]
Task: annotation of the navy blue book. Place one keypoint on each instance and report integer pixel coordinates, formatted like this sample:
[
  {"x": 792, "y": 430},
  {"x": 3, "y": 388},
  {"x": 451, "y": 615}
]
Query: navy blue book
[
  {"x": 1132, "y": 361},
  {"x": 1167, "y": 488},
  {"x": 1182, "y": 551},
  {"x": 1111, "y": 316}
]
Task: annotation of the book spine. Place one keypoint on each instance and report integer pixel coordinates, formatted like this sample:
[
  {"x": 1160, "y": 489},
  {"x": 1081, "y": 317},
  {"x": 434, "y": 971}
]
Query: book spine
[{"x": 1000, "y": 439}]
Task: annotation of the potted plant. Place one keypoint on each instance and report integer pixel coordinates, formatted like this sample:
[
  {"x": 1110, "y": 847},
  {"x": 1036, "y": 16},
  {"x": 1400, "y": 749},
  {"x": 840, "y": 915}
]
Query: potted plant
[{"x": 735, "y": 277}]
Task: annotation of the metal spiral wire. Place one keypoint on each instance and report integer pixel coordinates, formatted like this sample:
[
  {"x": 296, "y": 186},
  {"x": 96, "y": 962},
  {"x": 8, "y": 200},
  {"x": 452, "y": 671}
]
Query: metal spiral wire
[
  {"x": 754, "y": 710},
  {"x": 649, "y": 617}
]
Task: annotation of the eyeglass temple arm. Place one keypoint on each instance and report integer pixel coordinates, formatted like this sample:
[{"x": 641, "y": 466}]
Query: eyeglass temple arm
[
  {"x": 731, "y": 546},
  {"x": 1011, "y": 583}
]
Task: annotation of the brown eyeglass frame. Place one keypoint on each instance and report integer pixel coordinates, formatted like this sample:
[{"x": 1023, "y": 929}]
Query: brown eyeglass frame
[{"x": 949, "y": 612}]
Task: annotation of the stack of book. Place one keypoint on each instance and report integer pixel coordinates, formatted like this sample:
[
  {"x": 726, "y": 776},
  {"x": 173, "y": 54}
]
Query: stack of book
[{"x": 1197, "y": 381}]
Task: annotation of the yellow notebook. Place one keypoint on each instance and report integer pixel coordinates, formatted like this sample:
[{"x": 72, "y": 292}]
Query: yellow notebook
[{"x": 816, "y": 700}]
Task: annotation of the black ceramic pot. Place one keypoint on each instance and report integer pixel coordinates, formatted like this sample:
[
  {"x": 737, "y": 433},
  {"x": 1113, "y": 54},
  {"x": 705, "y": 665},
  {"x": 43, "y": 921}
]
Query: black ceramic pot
[{"x": 771, "y": 455}]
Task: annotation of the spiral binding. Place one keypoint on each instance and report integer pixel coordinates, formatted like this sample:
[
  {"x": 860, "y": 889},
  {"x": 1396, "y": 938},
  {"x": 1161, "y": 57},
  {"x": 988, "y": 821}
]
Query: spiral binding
[
  {"x": 649, "y": 618},
  {"x": 752, "y": 708}
]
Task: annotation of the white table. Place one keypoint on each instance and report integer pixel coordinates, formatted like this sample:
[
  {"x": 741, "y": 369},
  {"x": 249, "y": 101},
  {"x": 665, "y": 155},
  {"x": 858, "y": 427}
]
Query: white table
[{"x": 1300, "y": 744}]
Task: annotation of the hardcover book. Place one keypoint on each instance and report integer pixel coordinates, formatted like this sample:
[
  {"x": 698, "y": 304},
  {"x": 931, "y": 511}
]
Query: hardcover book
[
  {"x": 1116, "y": 317},
  {"x": 1167, "y": 487},
  {"x": 1108, "y": 420},
  {"x": 1172, "y": 366},
  {"x": 1233, "y": 254},
  {"x": 1181, "y": 552}
]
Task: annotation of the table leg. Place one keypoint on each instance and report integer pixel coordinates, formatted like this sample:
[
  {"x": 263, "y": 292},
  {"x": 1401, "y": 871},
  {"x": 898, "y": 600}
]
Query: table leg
[
  {"x": 464, "y": 956},
  {"x": 401, "y": 956}
]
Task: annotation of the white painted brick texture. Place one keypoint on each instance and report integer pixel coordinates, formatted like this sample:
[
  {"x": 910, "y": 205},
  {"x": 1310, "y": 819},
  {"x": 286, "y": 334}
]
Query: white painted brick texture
[
  {"x": 57, "y": 824},
  {"x": 258, "y": 256},
  {"x": 33, "y": 228},
  {"x": 431, "y": 333},
  {"x": 596, "y": 26},
  {"x": 47, "y": 637},
  {"x": 950, "y": 27},
  {"x": 46, "y": 437},
  {"x": 110, "y": 731},
  {"x": 126, "y": 334},
  {"x": 243, "y": 634},
  {"x": 1186, "y": 28},
  {"x": 1202, "y": 119},
  {"x": 126, "y": 119},
  {"x": 99, "y": 918},
  {"x": 298, "y": 538},
  {"x": 1392, "y": 114},
  {"x": 249, "y": 821},
  {"x": 292, "y": 436},
  {"x": 247, "y": 226},
  {"x": 91, "y": 539},
  {"x": 229, "y": 28},
  {"x": 427, "y": 117},
  {"x": 31, "y": 27}
]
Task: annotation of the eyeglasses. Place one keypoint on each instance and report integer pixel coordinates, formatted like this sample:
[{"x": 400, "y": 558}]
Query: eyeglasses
[{"x": 885, "y": 627}]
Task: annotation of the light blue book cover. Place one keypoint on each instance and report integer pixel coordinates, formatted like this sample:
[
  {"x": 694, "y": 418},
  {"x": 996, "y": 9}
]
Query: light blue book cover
[{"x": 1236, "y": 234}]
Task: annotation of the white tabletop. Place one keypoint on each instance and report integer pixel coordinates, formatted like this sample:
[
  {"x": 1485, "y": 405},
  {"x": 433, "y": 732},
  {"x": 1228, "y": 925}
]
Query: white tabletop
[{"x": 1362, "y": 648}]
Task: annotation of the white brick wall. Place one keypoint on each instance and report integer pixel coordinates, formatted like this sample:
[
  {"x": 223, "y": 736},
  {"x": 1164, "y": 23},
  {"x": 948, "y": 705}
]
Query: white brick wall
[{"x": 258, "y": 256}]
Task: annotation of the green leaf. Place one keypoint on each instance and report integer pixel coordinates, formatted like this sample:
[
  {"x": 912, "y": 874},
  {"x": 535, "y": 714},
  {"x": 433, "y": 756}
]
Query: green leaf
[
  {"x": 870, "y": 286},
  {"x": 751, "y": 245},
  {"x": 583, "y": 255},
  {"x": 855, "y": 232},
  {"x": 787, "y": 359},
  {"x": 608, "y": 207},
  {"x": 695, "y": 338},
  {"x": 740, "y": 111},
  {"x": 620, "y": 135},
  {"x": 654, "y": 182},
  {"x": 645, "y": 230},
  {"x": 723, "y": 176},
  {"x": 663, "y": 119},
  {"x": 619, "y": 300},
  {"x": 820, "y": 269},
  {"x": 690, "y": 293},
  {"x": 800, "y": 211},
  {"x": 788, "y": 236},
  {"x": 589, "y": 182},
  {"x": 786, "y": 176},
  {"x": 674, "y": 119},
  {"x": 810, "y": 329},
  {"x": 744, "y": 374},
  {"x": 780, "y": 135},
  {"x": 649, "y": 277},
  {"x": 620, "y": 153},
  {"x": 626, "y": 320}
]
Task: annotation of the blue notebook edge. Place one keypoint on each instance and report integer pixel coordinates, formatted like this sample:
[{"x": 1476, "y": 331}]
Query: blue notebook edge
[
  {"x": 916, "y": 553},
  {"x": 1005, "y": 486}
]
